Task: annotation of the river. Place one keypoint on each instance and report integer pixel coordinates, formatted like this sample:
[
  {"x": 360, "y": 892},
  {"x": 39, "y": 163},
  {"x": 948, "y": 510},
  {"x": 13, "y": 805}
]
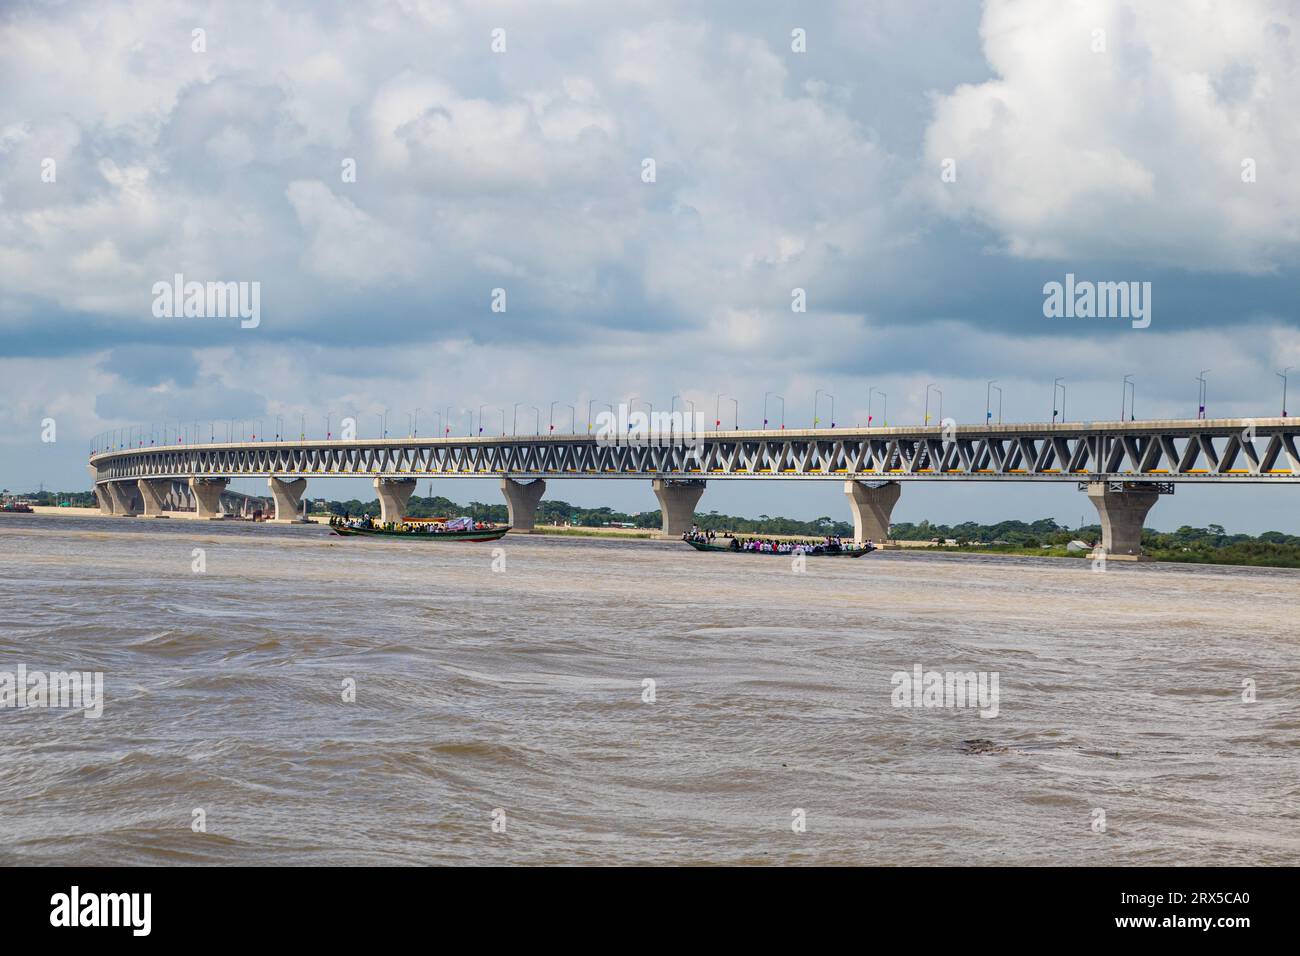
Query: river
[{"x": 315, "y": 700}]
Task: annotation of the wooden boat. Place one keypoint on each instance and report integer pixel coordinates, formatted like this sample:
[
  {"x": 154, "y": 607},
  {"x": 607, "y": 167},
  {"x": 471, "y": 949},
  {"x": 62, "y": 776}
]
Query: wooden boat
[
  {"x": 479, "y": 534},
  {"x": 811, "y": 550}
]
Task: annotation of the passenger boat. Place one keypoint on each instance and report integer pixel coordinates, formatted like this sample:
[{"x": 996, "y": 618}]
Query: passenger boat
[
  {"x": 459, "y": 534},
  {"x": 810, "y": 550}
]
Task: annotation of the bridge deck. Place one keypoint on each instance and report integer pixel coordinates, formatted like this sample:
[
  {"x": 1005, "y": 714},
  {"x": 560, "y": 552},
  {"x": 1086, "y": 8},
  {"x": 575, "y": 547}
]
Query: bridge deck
[{"x": 1215, "y": 450}]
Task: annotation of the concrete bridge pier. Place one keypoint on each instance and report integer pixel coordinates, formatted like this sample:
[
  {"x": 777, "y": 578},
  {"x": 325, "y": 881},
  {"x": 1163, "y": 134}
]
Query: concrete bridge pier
[
  {"x": 207, "y": 496},
  {"x": 102, "y": 496},
  {"x": 125, "y": 496},
  {"x": 677, "y": 501},
  {"x": 153, "y": 492},
  {"x": 521, "y": 503},
  {"x": 394, "y": 493},
  {"x": 1122, "y": 514},
  {"x": 871, "y": 509},
  {"x": 288, "y": 499}
]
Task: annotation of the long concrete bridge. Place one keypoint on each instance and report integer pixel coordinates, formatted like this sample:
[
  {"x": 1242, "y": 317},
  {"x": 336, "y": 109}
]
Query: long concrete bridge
[{"x": 1122, "y": 466}]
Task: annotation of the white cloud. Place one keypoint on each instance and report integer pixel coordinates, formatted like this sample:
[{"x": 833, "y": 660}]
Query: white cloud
[
  {"x": 346, "y": 244},
  {"x": 1134, "y": 152}
]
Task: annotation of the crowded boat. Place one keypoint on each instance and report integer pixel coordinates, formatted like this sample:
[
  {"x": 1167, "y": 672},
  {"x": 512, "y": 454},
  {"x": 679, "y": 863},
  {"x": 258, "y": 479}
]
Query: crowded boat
[
  {"x": 831, "y": 545},
  {"x": 425, "y": 529}
]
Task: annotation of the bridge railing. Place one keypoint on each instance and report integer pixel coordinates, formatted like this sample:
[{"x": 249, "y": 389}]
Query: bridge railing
[{"x": 1178, "y": 450}]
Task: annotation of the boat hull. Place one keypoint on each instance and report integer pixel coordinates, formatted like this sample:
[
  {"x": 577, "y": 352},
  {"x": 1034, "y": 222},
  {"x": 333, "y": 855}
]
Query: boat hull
[
  {"x": 808, "y": 551},
  {"x": 486, "y": 534}
]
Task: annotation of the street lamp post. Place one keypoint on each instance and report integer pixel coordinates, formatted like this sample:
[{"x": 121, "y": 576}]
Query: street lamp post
[
  {"x": 573, "y": 417},
  {"x": 537, "y": 419},
  {"x": 689, "y": 424},
  {"x": 650, "y": 411},
  {"x": 1125, "y": 403},
  {"x": 1201, "y": 391},
  {"x": 1057, "y": 383},
  {"x": 1282, "y": 375},
  {"x": 717, "y": 419},
  {"x": 780, "y": 399},
  {"x": 988, "y": 401},
  {"x": 998, "y": 389},
  {"x": 871, "y": 395},
  {"x": 927, "y": 402},
  {"x": 816, "y": 395}
]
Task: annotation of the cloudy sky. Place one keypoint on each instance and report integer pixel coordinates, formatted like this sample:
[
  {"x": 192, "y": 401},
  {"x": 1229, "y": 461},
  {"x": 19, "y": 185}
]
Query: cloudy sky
[{"x": 1115, "y": 140}]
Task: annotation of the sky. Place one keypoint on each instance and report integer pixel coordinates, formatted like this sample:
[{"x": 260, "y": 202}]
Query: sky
[{"x": 920, "y": 170}]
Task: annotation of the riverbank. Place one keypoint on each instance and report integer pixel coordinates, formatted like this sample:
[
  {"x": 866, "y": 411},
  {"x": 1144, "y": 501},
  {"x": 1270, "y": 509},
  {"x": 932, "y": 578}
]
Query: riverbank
[{"x": 1276, "y": 557}]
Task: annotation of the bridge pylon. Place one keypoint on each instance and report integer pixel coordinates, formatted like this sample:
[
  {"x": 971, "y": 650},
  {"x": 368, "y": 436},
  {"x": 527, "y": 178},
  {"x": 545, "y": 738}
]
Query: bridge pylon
[
  {"x": 872, "y": 504},
  {"x": 521, "y": 503},
  {"x": 677, "y": 501},
  {"x": 393, "y": 494},
  {"x": 154, "y": 492},
  {"x": 288, "y": 497},
  {"x": 1123, "y": 507},
  {"x": 126, "y": 498},
  {"x": 207, "y": 496}
]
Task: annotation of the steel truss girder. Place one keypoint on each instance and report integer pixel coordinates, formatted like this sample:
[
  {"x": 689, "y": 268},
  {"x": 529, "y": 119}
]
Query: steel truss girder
[{"x": 1221, "y": 450}]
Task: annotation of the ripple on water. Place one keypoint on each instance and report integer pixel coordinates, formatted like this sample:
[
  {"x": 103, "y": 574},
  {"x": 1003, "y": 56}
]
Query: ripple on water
[{"x": 527, "y": 691}]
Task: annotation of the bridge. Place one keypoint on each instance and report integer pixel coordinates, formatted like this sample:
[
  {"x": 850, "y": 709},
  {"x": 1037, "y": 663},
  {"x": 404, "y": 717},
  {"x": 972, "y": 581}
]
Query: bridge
[{"x": 1122, "y": 466}]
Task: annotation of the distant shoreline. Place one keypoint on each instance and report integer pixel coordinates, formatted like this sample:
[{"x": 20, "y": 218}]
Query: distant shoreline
[{"x": 648, "y": 534}]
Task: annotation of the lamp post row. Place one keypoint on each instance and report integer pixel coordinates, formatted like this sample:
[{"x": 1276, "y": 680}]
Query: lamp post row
[{"x": 134, "y": 436}]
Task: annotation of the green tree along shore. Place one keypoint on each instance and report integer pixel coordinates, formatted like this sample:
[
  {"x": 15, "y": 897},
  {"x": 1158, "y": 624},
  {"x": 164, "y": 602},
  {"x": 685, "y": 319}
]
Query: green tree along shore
[{"x": 1211, "y": 545}]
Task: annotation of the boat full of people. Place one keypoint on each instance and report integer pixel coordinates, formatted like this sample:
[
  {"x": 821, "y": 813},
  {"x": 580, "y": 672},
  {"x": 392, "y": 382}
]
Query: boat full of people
[
  {"x": 418, "y": 529},
  {"x": 830, "y": 547}
]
